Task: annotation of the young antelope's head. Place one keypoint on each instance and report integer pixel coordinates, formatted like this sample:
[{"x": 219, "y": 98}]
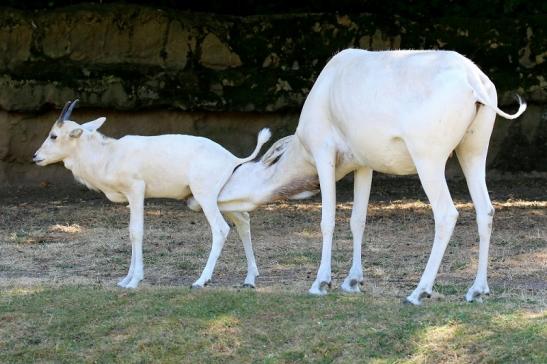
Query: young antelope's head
[{"x": 64, "y": 137}]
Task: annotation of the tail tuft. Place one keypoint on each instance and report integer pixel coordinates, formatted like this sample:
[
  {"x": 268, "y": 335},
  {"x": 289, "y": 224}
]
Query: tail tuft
[
  {"x": 522, "y": 108},
  {"x": 522, "y": 104},
  {"x": 264, "y": 135}
]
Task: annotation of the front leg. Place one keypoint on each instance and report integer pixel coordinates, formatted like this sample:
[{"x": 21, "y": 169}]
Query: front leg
[
  {"x": 136, "y": 221},
  {"x": 362, "y": 182},
  {"x": 124, "y": 281},
  {"x": 325, "y": 163}
]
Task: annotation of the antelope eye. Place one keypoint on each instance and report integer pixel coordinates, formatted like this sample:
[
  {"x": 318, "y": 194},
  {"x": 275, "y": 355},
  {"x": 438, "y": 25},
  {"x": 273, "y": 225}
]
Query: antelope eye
[{"x": 53, "y": 136}]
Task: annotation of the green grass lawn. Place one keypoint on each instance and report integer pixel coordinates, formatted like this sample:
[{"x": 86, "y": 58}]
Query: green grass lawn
[{"x": 94, "y": 324}]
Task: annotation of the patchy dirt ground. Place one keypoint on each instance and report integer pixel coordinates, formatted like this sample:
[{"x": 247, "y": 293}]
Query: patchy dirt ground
[{"x": 60, "y": 236}]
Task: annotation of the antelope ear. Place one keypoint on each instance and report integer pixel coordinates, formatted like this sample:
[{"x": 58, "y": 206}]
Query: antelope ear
[
  {"x": 94, "y": 125},
  {"x": 76, "y": 133}
]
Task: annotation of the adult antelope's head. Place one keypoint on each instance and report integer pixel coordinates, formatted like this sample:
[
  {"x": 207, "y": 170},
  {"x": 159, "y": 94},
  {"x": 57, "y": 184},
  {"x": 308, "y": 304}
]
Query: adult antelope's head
[{"x": 64, "y": 137}]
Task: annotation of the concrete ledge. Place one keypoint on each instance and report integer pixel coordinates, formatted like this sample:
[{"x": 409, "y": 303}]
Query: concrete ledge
[{"x": 517, "y": 145}]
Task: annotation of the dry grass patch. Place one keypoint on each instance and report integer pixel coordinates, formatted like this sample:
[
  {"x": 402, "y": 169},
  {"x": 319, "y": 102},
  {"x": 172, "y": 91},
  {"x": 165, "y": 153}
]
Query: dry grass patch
[
  {"x": 65, "y": 239},
  {"x": 68, "y": 229}
]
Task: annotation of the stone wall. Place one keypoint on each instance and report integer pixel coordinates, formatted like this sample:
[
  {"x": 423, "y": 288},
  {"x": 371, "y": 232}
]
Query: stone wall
[
  {"x": 134, "y": 57},
  {"x": 124, "y": 60}
]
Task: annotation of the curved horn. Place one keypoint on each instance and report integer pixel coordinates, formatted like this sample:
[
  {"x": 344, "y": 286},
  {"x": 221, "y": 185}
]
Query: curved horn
[
  {"x": 70, "y": 108},
  {"x": 61, "y": 119}
]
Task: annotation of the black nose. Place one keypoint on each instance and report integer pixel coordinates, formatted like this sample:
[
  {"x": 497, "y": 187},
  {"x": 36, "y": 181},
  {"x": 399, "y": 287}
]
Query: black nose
[{"x": 34, "y": 156}]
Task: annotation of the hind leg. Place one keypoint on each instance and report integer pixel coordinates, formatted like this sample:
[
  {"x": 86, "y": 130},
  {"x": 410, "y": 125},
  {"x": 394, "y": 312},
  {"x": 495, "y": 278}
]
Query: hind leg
[
  {"x": 472, "y": 157},
  {"x": 431, "y": 173},
  {"x": 219, "y": 230},
  {"x": 241, "y": 221}
]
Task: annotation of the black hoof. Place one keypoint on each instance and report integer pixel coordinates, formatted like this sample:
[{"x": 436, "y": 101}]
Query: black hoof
[
  {"x": 196, "y": 286},
  {"x": 355, "y": 282},
  {"x": 328, "y": 284}
]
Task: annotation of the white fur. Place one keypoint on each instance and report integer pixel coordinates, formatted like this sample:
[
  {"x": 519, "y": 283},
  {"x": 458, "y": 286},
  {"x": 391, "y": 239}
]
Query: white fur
[
  {"x": 398, "y": 112},
  {"x": 133, "y": 168}
]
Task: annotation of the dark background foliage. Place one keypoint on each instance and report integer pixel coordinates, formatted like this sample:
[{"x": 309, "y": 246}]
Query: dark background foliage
[{"x": 412, "y": 8}]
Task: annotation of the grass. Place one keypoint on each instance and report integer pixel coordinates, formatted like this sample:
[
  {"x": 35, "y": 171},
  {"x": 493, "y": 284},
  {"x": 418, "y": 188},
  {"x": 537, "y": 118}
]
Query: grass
[
  {"x": 62, "y": 252},
  {"x": 94, "y": 324}
]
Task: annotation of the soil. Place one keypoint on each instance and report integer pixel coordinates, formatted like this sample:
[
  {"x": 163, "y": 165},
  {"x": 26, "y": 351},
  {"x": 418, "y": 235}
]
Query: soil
[{"x": 69, "y": 235}]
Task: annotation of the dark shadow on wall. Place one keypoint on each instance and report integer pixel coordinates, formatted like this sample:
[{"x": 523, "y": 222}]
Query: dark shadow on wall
[{"x": 407, "y": 8}]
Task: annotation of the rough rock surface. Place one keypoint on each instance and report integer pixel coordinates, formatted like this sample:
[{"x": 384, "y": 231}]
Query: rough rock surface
[
  {"x": 128, "y": 56},
  {"x": 156, "y": 71}
]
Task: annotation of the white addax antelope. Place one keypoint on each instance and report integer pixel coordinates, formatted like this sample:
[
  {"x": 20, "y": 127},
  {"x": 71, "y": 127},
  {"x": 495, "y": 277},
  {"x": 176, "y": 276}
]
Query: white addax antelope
[
  {"x": 133, "y": 168},
  {"x": 397, "y": 112}
]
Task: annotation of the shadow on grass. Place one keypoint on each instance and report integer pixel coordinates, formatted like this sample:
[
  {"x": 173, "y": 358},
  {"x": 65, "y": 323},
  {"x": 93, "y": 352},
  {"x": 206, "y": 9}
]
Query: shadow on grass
[{"x": 82, "y": 323}]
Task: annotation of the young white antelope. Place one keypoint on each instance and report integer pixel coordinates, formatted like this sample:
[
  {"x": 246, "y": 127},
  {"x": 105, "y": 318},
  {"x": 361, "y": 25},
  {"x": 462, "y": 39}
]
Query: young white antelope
[
  {"x": 133, "y": 168},
  {"x": 397, "y": 112}
]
